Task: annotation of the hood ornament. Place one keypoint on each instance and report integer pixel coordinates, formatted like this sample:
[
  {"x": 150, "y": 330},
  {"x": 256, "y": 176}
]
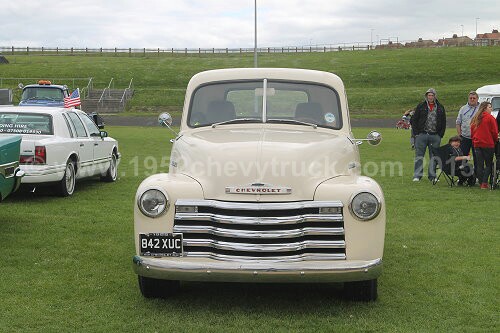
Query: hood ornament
[{"x": 258, "y": 188}]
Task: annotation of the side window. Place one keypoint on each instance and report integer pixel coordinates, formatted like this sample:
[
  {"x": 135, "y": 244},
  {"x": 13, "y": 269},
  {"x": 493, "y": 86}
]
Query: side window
[
  {"x": 70, "y": 128},
  {"x": 77, "y": 123},
  {"x": 93, "y": 130}
]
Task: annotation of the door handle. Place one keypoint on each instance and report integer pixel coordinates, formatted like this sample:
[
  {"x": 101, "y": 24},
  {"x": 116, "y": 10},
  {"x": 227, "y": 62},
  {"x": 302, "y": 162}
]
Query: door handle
[
  {"x": 81, "y": 144},
  {"x": 96, "y": 144}
]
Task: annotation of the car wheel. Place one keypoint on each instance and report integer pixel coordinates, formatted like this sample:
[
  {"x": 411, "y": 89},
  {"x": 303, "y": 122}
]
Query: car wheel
[
  {"x": 361, "y": 290},
  {"x": 112, "y": 172},
  {"x": 154, "y": 288},
  {"x": 68, "y": 182}
]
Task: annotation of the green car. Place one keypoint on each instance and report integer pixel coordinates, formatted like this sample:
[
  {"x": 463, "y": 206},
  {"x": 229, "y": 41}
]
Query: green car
[{"x": 10, "y": 174}]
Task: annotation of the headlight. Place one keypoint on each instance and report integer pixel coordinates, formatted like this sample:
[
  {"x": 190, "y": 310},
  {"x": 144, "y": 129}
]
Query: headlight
[
  {"x": 365, "y": 206},
  {"x": 153, "y": 202}
]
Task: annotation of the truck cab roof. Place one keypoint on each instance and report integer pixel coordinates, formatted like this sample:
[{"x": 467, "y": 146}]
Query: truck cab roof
[{"x": 44, "y": 93}]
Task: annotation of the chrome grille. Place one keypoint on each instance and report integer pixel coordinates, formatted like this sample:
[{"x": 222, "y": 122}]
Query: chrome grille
[{"x": 289, "y": 231}]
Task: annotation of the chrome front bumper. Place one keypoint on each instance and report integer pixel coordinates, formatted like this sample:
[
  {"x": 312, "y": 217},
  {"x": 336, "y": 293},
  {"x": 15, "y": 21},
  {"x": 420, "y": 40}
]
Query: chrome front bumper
[{"x": 186, "y": 269}]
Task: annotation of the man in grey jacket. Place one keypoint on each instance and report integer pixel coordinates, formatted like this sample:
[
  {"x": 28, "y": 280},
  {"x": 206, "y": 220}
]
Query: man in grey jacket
[{"x": 463, "y": 124}]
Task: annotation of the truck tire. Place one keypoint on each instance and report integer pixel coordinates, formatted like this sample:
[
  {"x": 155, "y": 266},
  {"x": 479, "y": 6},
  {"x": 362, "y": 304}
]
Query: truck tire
[
  {"x": 154, "y": 288},
  {"x": 365, "y": 291}
]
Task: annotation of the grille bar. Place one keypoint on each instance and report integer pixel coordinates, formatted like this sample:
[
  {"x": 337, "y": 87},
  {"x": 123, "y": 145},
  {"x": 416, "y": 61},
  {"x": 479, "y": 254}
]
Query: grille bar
[
  {"x": 290, "y": 258},
  {"x": 285, "y": 247},
  {"x": 256, "y": 234},
  {"x": 273, "y": 220}
]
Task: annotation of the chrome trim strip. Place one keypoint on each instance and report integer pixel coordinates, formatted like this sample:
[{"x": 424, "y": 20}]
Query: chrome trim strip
[
  {"x": 257, "y": 234},
  {"x": 187, "y": 269},
  {"x": 258, "y": 205},
  {"x": 227, "y": 219},
  {"x": 294, "y": 258},
  {"x": 5, "y": 166},
  {"x": 285, "y": 247}
]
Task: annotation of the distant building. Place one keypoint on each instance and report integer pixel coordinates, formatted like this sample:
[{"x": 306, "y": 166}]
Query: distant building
[
  {"x": 421, "y": 43},
  {"x": 488, "y": 39},
  {"x": 456, "y": 41},
  {"x": 390, "y": 45}
]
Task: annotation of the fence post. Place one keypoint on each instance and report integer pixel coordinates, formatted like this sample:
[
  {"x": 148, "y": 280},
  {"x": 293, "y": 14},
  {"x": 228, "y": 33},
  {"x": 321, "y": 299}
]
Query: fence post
[
  {"x": 12, "y": 50},
  {"x": 144, "y": 51},
  {"x": 115, "y": 51},
  {"x": 158, "y": 52},
  {"x": 27, "y": 50},
  {"x": 129, "y": 51},
  {"x": 71, "y": 51}
]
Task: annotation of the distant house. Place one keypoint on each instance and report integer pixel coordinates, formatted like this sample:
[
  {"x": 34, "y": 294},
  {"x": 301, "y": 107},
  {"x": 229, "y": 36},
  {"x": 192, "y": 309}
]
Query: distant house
[
  {"x": 390, "y": 45},
  {"x": 455, "y": 41},
  {"x": 488, "y": 39},
  {"x": 421, "y": 43}
]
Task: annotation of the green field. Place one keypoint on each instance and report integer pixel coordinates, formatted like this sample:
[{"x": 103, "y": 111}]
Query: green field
[
  {"x": 68, "y": 261},
  {"x": 379, "y": 83}
]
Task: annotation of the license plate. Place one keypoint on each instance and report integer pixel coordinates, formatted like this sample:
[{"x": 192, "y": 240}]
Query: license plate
[{"x": 160, "y": 244}]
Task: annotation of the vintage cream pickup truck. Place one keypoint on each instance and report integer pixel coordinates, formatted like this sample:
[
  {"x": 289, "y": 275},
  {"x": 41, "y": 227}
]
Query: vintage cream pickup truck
[{"x": 264, "y": 185}]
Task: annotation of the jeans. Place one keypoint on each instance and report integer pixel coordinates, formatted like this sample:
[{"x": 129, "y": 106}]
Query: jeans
[
  {"x": 422, "y": 142},
  {"x": 465, "y": 147},
  {"x": 484, "y": 163}
]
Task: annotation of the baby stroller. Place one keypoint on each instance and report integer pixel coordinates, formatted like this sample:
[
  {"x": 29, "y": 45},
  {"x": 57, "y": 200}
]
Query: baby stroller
[{"x": 404, "y": 123}]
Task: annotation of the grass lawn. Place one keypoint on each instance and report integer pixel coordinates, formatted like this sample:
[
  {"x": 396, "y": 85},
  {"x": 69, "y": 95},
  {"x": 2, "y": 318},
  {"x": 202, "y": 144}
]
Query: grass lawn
[
  {"x": 379, "y": 83},
  {"x": 67, "y": 261}
]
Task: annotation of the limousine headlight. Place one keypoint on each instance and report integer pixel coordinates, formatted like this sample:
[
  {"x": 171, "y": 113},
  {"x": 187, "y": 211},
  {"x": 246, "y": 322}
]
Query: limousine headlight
[
  {"x": 153, "y": 202},
  {"x": 364, "y": 206}
]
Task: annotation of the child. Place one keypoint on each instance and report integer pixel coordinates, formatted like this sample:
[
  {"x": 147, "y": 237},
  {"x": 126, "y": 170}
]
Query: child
[{"x": 459, "y": 161}]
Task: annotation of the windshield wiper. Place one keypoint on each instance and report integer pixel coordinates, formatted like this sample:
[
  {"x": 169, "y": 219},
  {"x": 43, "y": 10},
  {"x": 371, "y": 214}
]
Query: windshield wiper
[
  {"x": 291, "y": 121},
  {"x": 237, "y": 120}
]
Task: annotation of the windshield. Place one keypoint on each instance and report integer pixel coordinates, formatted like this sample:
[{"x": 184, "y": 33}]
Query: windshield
[
  {"x": 34, "y": 93},
  {"x": 285, "y": 102},
  {"x": 25, "y": 123}
]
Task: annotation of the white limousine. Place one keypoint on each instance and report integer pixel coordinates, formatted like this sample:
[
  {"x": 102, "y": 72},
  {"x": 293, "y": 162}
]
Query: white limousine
[{"x": 60, "y": 146}]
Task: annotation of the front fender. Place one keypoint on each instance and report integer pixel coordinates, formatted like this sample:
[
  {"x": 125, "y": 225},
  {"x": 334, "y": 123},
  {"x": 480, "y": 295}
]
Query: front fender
[
  {"x": 364, "y": 239},
  {"x": 176, "y": 186}
]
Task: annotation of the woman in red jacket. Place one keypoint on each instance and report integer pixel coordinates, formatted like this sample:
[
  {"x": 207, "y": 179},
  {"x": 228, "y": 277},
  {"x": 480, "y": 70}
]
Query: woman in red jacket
[{"x": 484, "y": 132}]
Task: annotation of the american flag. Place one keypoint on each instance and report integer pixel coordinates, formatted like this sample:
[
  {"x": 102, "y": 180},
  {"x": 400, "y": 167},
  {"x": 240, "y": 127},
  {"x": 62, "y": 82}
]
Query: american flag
[{"x": 73, "y": 99}]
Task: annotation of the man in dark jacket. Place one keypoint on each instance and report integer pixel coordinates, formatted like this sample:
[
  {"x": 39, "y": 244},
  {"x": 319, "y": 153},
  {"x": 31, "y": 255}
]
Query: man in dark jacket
[{"x": 428, "y": 124}]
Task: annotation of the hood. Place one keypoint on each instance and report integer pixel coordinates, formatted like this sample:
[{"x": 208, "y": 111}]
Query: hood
[{"x": 286, "y": 164}]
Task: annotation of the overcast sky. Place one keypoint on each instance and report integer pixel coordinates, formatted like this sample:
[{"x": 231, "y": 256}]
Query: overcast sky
[{"x": 216, "y": 23}]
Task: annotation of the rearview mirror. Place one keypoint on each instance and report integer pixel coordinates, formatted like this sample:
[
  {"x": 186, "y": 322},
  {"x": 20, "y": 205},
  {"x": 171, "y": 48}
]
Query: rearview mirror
[
  {"x": 374, "y": 138},
  {"x": 165, "y": 119},
  {"x": 98, "y": 120}
]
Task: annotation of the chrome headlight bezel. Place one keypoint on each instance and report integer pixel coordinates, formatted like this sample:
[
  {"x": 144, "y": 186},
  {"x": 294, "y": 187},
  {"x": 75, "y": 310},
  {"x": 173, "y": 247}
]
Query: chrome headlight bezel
[
  {"x": 163, "y": 207},
  {"x": 359, "y": 216}
]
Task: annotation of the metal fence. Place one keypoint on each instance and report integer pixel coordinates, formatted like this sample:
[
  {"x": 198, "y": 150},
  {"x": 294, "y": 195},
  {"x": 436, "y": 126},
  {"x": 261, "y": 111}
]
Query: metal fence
[
  {"x": 361, "y": 46},
  {"x": 175, "y": 51}
]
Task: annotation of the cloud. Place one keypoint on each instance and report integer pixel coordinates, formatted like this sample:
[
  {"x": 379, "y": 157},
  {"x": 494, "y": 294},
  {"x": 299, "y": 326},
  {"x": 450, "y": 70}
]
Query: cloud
[{"x": 220, "y": 24}]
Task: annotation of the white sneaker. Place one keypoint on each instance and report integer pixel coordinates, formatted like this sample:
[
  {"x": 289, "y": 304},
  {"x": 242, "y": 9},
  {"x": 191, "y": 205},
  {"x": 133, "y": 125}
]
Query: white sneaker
[{"x": 416, "y": 179}]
